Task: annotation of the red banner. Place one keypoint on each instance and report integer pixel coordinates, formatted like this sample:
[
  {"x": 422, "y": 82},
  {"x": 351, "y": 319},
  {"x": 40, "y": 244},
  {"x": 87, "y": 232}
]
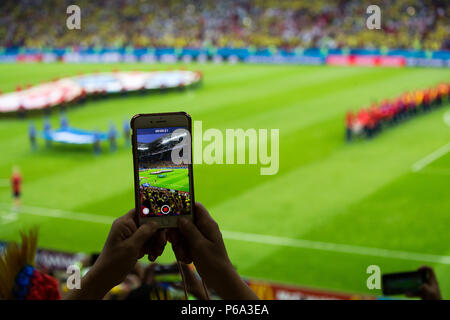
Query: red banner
[
  {"x": 361, "y": 60},
  {"x": 29, "y": 57}
]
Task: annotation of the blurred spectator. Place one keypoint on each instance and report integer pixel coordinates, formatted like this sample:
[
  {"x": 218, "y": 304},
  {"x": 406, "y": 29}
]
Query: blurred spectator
[
  {"x": 19, "y": 279},
  {"x": 419, "y": 24}
]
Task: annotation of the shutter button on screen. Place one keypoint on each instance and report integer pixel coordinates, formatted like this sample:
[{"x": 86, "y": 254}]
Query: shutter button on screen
[{"x": 165, "y": 209}]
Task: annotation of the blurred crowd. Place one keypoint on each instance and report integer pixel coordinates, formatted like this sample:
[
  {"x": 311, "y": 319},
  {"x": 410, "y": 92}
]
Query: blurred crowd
[
  {"x": 368, "y": 122},
  {"x": 154, "y": 199},
  {"x": 412, "y": 24},
  {"x": 25, "y": 274},
  {"x": 147, "y": 281}
]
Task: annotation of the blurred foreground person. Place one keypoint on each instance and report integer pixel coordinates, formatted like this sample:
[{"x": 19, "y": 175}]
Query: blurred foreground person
[
  {"x": 16, "y": 185},
  {"x": 151, "y": 288},
  {"x": 19, "y": 279},
  {"x": 200, "y": 243}
]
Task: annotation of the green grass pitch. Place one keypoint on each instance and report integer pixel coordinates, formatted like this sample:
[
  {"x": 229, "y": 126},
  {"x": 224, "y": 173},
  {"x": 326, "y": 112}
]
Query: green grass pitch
[
  {"x": 178, "y": 179},
  {"x": 327, "y": 195}
]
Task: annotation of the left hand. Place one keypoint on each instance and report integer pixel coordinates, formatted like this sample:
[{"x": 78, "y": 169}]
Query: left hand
[{"x": 126, "y": 243}]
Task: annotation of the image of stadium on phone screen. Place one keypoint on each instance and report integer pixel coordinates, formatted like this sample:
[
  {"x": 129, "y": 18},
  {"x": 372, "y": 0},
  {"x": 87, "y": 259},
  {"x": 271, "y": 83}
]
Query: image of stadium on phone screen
[{"x": 164, "y": 185}]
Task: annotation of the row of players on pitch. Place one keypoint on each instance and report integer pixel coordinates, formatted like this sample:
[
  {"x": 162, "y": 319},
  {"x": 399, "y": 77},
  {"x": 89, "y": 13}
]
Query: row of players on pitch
[
  {"x": 154, "y": 199},
  {"x": 369, "y": 121}
]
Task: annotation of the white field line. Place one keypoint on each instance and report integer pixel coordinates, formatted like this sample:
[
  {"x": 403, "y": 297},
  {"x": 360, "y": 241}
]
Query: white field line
[
  {"x": 447, "y": 118},
  {"x": 7, "y": 217},
  {"x": 422, "y": 163},
  {"x": 56, "y": 213},
  {"x": 436, "y": 171},
  {"x": 335, "y": 247},
  {"x": 255, "y": 238}
]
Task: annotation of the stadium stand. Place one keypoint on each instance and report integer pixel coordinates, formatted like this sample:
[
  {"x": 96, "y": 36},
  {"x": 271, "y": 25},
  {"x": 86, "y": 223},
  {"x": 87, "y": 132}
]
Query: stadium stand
[
  {"x": 244, "y": 23},
  {"x": 291, "y": 26},
  {"x": 159, "y": 150}
]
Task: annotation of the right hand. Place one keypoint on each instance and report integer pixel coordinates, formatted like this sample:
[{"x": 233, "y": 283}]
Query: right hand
[
  {"x": 430, "y": 289},
  {"x": 202, "y": 243}
]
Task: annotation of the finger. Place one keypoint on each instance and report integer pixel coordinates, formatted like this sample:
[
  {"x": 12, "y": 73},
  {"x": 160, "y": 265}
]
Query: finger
[
  {"x": 130, "y": 214},
  {"x": 143, "y": 234},
  {"x": 157, "y": 245},
  {"x": 179, "y": 246},
  {"x": 190, "y": 232},
  {"x": 173, "y": 235},
  {"x": 425, "y": 288},
  {"x": 206, "y": 224},
  {"x": 129, "y": 227},
  {"x": 422, "y": 291},
  {"x": 181, "y": 253},
  {"x": 431, "y": 275}
]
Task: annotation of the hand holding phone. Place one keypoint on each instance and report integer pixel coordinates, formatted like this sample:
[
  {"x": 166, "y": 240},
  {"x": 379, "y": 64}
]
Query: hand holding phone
[
  {"x": 421, "y": 283},
  {"x": 430, "y": 289},
  {"x": 202, "y": 243},
  {"x": 125, "y": 245}
]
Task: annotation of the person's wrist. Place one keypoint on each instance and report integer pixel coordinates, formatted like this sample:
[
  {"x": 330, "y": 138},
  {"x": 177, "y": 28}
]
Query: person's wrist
[
  {"x": 95, "y": 283},
  {"x": 235, "y": 286},
  {"x": 231, "y": 285}
]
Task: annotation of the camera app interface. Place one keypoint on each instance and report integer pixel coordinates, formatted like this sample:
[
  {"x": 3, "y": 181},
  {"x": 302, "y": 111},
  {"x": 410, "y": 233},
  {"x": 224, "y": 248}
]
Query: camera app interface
[{"x": 164, "y": 185}]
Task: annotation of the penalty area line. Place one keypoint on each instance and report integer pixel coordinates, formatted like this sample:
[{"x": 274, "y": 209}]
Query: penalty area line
[{"x": 254, "y": 238}]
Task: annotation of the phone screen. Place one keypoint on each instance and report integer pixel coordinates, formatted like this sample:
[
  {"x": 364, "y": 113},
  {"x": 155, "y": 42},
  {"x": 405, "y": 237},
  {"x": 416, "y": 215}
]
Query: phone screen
[
  {"x": 400, "y": 283},
  {"x": 164, "y": 188}
]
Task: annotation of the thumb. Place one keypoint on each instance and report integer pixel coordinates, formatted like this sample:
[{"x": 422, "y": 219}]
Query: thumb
[
  {"x": 189, "y": 231},
  {"x": 143, "y": 234}
]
